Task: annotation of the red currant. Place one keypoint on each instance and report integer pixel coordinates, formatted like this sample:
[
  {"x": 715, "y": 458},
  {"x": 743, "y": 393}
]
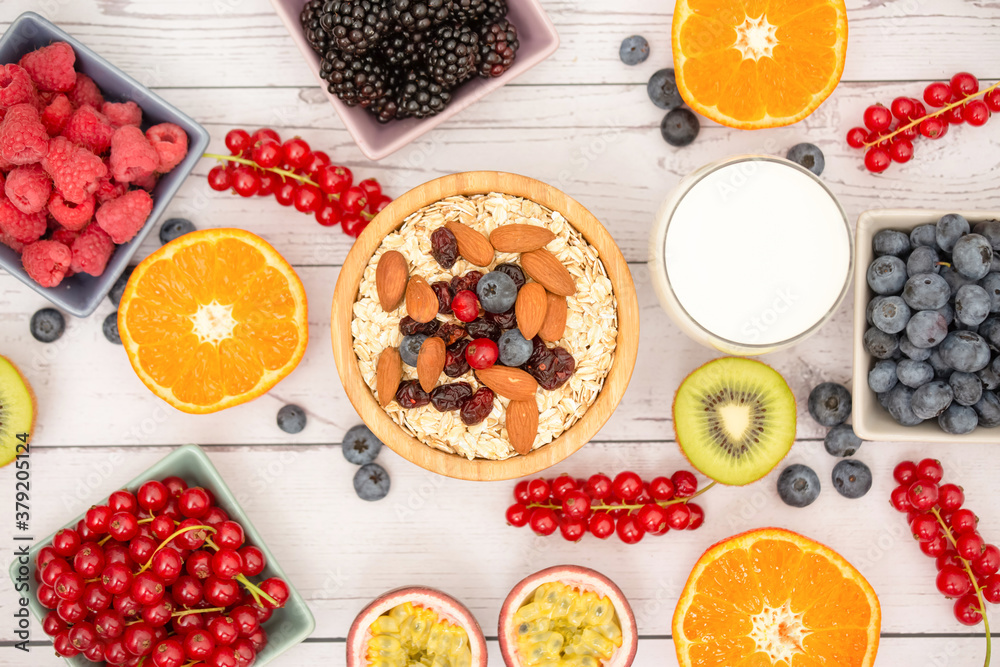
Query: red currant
[
  {"x": 141, "y": 549},
  {"x": 297, "y": 153},
  {"x": 538, "y": 490},
  {"x": 284, "y": 194},
  {"x": 329, "y": 214},
  {"x": 69, "y": 586},
  {"x": 922, "y": 495},
  {"x": 218, "y": 178},
  {"x": 954, "y": 115},
  {"x": 317, "y": 160},
  {"x": 967, "y": 610},
  {"x": 353, "y": 224},
  {"x": 991, "y": 589},
  {"x": 953, "y": 582},
  {"x": 237, "y": 141},
  {"x": 598, "y": 486},
  {"x": 89, "y": 560},
  {"x": 109, "y": 624},
  {"x": 627, "y": 486},
  {"x": 933, "y": 127},
  {"x": 267, "y": 154},
  {"x": 899, "y": 499},
  {"x": 685, "y": 483},
  {"x": 964, "y": 521},
  {"x": 198, "y": 645},
  {"x": 518, "y": 515},
  {"x": 543, "y": 521},
  {"x": 521, "y": 492},
  {"x": 227, "y": 563},
  {"x": 308, "y": 198},
  {"x": 214, "y": 516},
  {"x": 63, "y": 646},
  {"x": 245, "y": 181},
  {"x": 175, "y": 485},
  {"x": 95, "y": 598},
  {"x": 168, "y": 653},
  {"x": 194, "y": 502},
  {"x": 930, "y": 470},
  {"x": 54, "y": 569},
  {"x": 678, "y": 516},
  {"x": 333, "y": 180},
  {"x": 925, "y": 528},
  {"x": 653, "y": 519},
  {"x": 269, "y": 182},
  {"x": 572, "y": 529},
  {"x": 465, "y": 305},
  {"x": 379, "y": 205},
  {"x": 562, "y": 485},
  {"x": 901, "y": 150},
  {"x": 139, "y": 639},
  {"x": 601, "y": 525},
  {"x": 66, "y": 542},
  {"x": 372, "y": 189},
  {"x": 221, "y": 592},
  {"x": 877, "y": 160},
  {"x": 937, "y": 94},
  {"x": 481, "y": 353},
  {"x": 856, "y": 137},
  {"x": 147, "y": 588},
  {"x": 877, "y": 118},
  {"x": 223, "y": 629},
  {"x": 152, "y": 496},
  {"x": 935, "y": 547},
  {"x": 53, "y": 625},
  {"x": 976, "y": 113},
  {"x": 159, "y": 614},
  {"x": 950, "y": 497},
  {"x": 576, "y": 505},
  {"x": 697, "y": 516},
  {"x": 988, "y": 562},
  {"x": 905, "y": 472},
  {"x": 963, "y": 85},
  {"x": 187, "y": 591},
  {"x": 903, "y": 108},
  {"x": 628, "y": 529},
  {"x": 167, "y": 564},
  {"x": 992, "y": 100},
  {"x": 353, "y": 200},
  {"x": 254, "y": 561},
  {"x": 969, "y": 546}
]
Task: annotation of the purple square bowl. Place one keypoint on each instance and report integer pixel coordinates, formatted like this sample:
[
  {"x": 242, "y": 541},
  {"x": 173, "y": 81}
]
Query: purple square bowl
[
  {"x": 80, "y": 294},
  {"x": 538, "y": 39}
]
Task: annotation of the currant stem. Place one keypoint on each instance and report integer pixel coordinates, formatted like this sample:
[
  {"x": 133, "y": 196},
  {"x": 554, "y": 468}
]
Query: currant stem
[
  {"x": 942, "y": 110},
  {"x": 167, "y": 541},
  {"x": 253, "y": 589},
  {"x": 661, "y": 503},
  {"x": 972, "y": 576},
  {"x": 188, "y": 612}
]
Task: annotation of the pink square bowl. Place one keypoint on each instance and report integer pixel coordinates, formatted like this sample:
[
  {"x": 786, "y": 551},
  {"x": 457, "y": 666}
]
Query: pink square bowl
[{"x": 535, "y": 32}]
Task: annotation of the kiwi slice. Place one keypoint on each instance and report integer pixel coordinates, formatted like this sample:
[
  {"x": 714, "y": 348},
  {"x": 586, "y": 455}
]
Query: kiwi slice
[
  {"x": 734, "y": 419},
  {"x": 17, "y": 411}
]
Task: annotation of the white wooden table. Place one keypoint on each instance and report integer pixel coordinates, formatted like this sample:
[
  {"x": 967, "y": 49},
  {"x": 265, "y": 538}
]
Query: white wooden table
[{"x": 581, "y": 121}]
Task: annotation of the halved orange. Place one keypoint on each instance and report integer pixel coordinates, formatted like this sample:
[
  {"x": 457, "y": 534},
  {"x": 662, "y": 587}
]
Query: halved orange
[
  {"x": 213, "y": 319},
  {"x": 771, "y": 597},
  {"x": 752, "y": 64}
]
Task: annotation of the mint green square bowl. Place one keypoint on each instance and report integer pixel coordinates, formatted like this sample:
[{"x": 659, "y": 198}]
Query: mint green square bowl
[{"x": 287, "y": 627}]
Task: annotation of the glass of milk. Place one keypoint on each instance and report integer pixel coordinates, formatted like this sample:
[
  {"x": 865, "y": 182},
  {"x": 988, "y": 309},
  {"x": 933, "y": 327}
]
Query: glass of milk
[{"x": 751, "y": 254}]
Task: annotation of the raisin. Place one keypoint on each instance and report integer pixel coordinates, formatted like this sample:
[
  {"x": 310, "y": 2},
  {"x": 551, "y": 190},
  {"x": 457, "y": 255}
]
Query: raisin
[
  {"x": 409, "y": 326},
  {"x": 451, "y": 333},
  {"x": 469, "y": 281},
  {"x": 455, "y": 364},
  {"x": 477, "y": 408},
  {"x": 505, "y": 320},
  {"x": 480, "y": 328},
  {"x": 541, "y": 364},
  {"x": 444, "y": 247},
  {"x": 449, "y": 397},
  {"x": 564, "y": 367},
  {"x": 514, "y": 271},
  {"x": 410, "y": 395},
  {"x": 443, "y": 292}
]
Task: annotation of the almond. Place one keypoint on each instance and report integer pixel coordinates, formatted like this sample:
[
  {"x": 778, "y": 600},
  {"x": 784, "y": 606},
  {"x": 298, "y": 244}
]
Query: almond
[
  {"x": 388, "y": 374},
  {"x": 555, "y": 318},
  {"x": 530, "y": 309},
  {"x": 472, "y": 245},
  {"x": 512, "y": 383},
  {"x": 391, "y": 274},
  {"x": 430, "y": 362},
  {"x": 520, "y": 238},
  {"x": 421, "y": 301},
  {"x": 522, "y": 425},
  {"x": 544, "y": 267}
]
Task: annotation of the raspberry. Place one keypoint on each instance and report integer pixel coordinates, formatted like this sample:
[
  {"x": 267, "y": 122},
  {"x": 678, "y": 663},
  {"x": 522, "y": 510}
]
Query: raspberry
[
  {"x": 91, "y": 251},
  {"x": 122, "y": 113},
  {"x": 171, "y": 144},
  {"x": 64, "y": 236},
  {"x": 22, "y": 226},
  {"x": 85, "y": 92},
  {"x": 46, "y": 262},
  {"x": 75, "y": 170},
  {"x": 147, "y": 182},
  {"x": 16, "y": 87},
  {"x": 11, "y": 242},
  {"x": 28, "y": 188},
  {"x": 55, "y": 116},
  {"x": 108, "y": 189},
  {"x": 122, "y": 218},
  {"x": 89, "y": 127},
  {"x": 23, "y": 138},
  {"x": 51, "y": 67},
  {"x": 132, "y": 156},
  {"x": 73, "y": 217}
]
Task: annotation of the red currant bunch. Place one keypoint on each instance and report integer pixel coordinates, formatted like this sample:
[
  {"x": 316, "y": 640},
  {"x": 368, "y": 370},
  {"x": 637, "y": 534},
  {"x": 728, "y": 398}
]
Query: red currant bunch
[
  {"x": 261, "y": 164},
  {"x": 946, "y": 531},
  {"x": 157, "y": 577},
  {"x": 889, "y": 132},
  {"x": 602, "y": 506}
]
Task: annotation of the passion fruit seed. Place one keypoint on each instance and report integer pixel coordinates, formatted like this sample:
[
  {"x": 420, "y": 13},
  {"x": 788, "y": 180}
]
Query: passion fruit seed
[
  {"x": 562, "y": 626},
  {"x": 410, "y": 635}
]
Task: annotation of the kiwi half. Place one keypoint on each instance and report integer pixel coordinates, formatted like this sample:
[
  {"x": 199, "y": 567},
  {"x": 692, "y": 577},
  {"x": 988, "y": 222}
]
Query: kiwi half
[
  {"x": 17, "y": 411},
  {"x": 734, "y": 419}
]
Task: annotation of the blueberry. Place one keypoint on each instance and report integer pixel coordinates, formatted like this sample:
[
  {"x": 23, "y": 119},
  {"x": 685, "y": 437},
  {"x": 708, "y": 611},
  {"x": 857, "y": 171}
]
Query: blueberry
[
  {"x": 662, "y": 89},
  {"x": 879, "y": 344},
  {"x": 830, "y": 403},
  {"x": 911, "y": 351},
  {"x": 924, "y": 235},
  {"x": 798, "y": 485},
  {"x": 514, "y": 348},
  {"x": 990, "y": 376},
  {"x": 841, "y": 441},
  {"x": 680, "y": 127},
  {"x": 900, "y": 405},
  {"x": 887, "y": 275},
  {"x": 360, "y": 445},
  {"x": 914, "y": 373},
  {"x": 965, "y": 351},
  {"x": 883, "y": 376},
  {"x": 972, "y": 256},
  {"x": 497, "y": 292},
  {"x": 175, "y": 228},
  {"x": 922, "y": 260},
  {"x": 371, "y": 482},
  {"x": 954, "y": 279},
  {"x": 995, "y": 264},
  {"x": 891, "y": 242},
  {"x": 949, "y": 229},
  {"x": 990, "y": 330},
  {"x": 988, "y": 410},
  {"x": 958, "y": 419},
  {"x": 926, "y": 329},
  {"x": 119, "y": 287},
  {"x": 810, "y": 157},
  {"x": 966, "y": 387},
  {"x": 948, "y": 313},
  {"x": 991, "y": 283},
  {"x": 634, "y": 50},
  {"x": 989, "y": 229},
  {"x": 291, "y": 418},
  {"x": 932, "y": 399},
  {"x": 883, "y": 398},
  {"x": 972, "y": 305},
  {"x": 870, "y": 308},
  {"x": 47, "y": 325},
  {"x": 410, "y": 348},
  {"x": 891, "y": 314},
  {"x": 110, "y": 328},
  {"x": 941, "y": 369},
  {"x": 852, "y": 478},
  {"x": 926, "y": 291}
]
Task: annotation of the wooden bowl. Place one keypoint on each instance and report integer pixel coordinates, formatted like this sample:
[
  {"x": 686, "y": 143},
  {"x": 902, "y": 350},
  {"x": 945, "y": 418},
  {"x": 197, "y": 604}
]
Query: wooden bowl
[{"x": 393, "y": 435}]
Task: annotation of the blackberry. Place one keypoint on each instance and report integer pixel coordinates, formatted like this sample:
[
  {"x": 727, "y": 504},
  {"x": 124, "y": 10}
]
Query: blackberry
[
  {"x": 416, "y": 16},
  {"x": 355, "y": 80},
  {"x": 312, "y": 11},
  {"x": 496, "y": 10},
  {"x": 497, "y": 48},
  {"x": 403, "y": 51},
  {"x": 356, "y": 25},
  {"x": 470, "y": 11},
  {"x": 388, "y": 108},
  {"x": 452, "y": 55},
  {"x": 420, "y": 96}
]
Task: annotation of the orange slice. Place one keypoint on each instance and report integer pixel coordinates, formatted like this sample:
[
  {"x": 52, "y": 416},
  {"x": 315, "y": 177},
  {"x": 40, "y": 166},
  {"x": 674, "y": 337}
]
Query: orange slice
[
  {"x": 771, "y": 597},
  {"x": 213, "y": 319},
  {"x": 752, "y": 64}
]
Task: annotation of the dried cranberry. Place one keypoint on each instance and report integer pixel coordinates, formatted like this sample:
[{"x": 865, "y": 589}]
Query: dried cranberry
[
  {"x": 444, "y": 247},
  {"x": 450, "y": 396},
  {"x": 482, "y": 328},
  {"x": 505, "y": 320},
  {"x": 469, "y": 281},
  {"x": 542, "y": 362},
  {"x": 477, "y": 408},
  {"x": 564, "y": 367},
  {"x": 410, "y": 395},
  {"x": 514, "y": 271},
  {"x": 409, "y": 326},
  {"x": 443, "y": 292},
  {"x": 455, "y": 364},
  {"x": 450, "y": 333}
]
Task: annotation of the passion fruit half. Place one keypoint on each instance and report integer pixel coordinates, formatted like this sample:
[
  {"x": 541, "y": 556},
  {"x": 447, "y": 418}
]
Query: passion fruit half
[
  {"x": 415, "y": 625},
  {"x": 567, "y": 616}
]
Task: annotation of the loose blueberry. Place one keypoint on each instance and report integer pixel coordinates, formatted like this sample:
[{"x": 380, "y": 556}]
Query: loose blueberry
[
  {"x": 926, "y": 291},
  {"x": 991, "y": 283},
  {"x": 798, "y": 485},
  {"x": 923, "y": 259},
  {"x": 931, "y": 399},
  {"x": 852, "y": 478},
  {"x": 119, "y": 287},
  {"x": 958, "y": 419},
  {"x": 662, "y": 89},
  {"x": 883, "y": 376},
  {"x": 809, "y": 156},
  {"x": 900, "y": 405},
  {"x": 891, "y": 242},
  {"x": 515, "y": 349},
  {"x": 926, "y": 329},
  {"x": 972, "y": 256},
  {"x": 891, "y": 314},
  {"x": 912, "y": 351},
  {"x": 175, "y": 228},
  {"x": 988, "y": 410},
  {"x": 914, "y": 373},
  {"x": 47, "y": 325},
  {"x": 410, "y": 348},
  {"x": 291, "y": 419},
  {"x": 879, "y": 344},
  {"x": 841, "y": 441},
  {"x": 966, "y": 387},
  {"x": 497, "y": 292},
  {"x": 965, "y": 351},
  {"x": 949, "y": 229},
  {"x": 634, "y": 50},
  {"x": 887, "y": 275},
  {"x": 830, "y": 404},
  {"x": 110, "y": 328},
  {"x": 972, "y": 305},
  {"x": 680, "y": 127},
  {"x": 360, "y": 445},
  {"x": 371, "y": 482},
  {"x": 924, "y": 235}
]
